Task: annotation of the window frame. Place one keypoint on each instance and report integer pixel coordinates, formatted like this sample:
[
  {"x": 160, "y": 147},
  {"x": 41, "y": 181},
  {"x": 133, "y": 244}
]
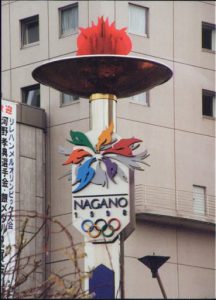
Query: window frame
[
  {"x": 60, "y": 9},
  {"x": 23, "y": 27},
  {"x": 146, "y": 35},
  {"x": 138, "y": 103},
  {"x": 207, "y": 26},
  {"x": 27, "y": 89},
  {"x": 67, "y": 104},
  {"x": 205, "y": 199},
  {"x": 211, "y": 94}
]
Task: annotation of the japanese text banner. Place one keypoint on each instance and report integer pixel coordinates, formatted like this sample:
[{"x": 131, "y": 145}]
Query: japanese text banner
[{"x": 8, "y": 157}]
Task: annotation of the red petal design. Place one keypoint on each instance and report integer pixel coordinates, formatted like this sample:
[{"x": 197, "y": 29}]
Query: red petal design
[
  {"x": 76, "y": 156},
  {"x": 103, "y": 39},
  {"x": 123, "y": 147},
  {"x": 126, "y": 143}
]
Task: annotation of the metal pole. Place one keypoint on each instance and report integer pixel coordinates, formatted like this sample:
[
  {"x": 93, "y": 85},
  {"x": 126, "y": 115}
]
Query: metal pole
[
  {"x": 122, "y": 286},
  {"x": 161, "y": 285},
  {"x": 102, "y": 111}
]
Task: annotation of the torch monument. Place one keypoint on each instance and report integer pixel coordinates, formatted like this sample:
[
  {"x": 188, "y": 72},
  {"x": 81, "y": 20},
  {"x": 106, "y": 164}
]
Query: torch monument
[{"x": 101, "y": 160}]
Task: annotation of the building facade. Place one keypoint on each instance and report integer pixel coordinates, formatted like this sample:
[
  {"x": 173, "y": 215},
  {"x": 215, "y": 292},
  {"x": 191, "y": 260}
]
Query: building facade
[{"x": 175, "y": 196}]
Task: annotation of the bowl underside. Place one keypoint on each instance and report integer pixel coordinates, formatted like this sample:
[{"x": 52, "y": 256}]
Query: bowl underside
[{"x": 123, "y": 76}]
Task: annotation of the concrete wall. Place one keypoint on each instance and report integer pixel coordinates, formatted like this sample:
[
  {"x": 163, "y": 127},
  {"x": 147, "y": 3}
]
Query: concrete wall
[{"x": 30, "y": 189}]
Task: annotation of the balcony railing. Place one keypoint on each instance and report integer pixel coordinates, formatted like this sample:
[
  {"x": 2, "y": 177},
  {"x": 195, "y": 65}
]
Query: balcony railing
[{"x": 175, "y": 203}]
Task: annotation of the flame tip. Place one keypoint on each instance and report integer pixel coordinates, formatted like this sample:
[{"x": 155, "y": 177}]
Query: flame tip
[{"x": 103, "y": 39}]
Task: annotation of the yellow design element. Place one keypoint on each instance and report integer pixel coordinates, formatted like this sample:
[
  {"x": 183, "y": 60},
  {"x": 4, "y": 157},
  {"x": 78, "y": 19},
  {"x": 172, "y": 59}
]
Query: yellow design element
[
  {"x": 105, "y": 137},
  {"x": 98, "y": 96}
]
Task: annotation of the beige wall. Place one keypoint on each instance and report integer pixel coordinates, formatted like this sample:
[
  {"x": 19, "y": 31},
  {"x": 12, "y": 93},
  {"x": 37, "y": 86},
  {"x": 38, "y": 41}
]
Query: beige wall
[
  {"x": 188, "y": 83},
  {"x": 189, "y": 273},
  {"x": 159, "y": 44},
  {"x": 5, "y": 37},
  {"x": 195, "y": 170},
  {"x": 30, "y": 54},
  {"x": 186, "y": 51}
]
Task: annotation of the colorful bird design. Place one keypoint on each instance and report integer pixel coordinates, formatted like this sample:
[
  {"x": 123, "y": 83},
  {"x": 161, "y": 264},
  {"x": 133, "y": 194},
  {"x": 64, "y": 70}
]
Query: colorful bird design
[
  {"x": 100, "y": 177},
  {"x": 107, "y": 152},
  {"x": 85, "y": 174},
  {"x": 123, "y": 147},
  {"x": 80, "y": 139},
  {"x": 105, "y": 137},
  {"x": 111, "y": 167},
  {"x": 76, "y": 157}
]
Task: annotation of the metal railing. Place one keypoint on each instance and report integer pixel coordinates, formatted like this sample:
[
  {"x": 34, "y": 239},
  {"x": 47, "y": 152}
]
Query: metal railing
[{"x": 176, "y": 203}]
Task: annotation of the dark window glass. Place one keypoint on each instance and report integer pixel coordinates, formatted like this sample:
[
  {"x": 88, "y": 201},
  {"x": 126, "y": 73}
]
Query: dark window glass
[
  {"x": 208, "y": 103},
  {"x": 31, "y": 95},
  {"x": 30, "y": 30},
  {"x": 68, "y": 99},
  {"x": 208, "y": 36}
]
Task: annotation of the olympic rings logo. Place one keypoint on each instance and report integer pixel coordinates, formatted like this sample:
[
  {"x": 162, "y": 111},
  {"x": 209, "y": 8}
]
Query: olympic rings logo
[{"x": 101, "y": 226}]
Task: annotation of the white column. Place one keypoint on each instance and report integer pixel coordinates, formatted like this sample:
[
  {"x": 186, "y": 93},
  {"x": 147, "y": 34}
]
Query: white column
[{"x": 102, "y": 113}]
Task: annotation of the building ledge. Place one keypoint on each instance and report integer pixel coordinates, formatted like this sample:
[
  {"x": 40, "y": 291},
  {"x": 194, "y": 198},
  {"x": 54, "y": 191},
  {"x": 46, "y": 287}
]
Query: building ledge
[
  {"x": 174, "y": 207},
  {"x": 31, "y": 116},
  {"x": 178, "y": 221}
]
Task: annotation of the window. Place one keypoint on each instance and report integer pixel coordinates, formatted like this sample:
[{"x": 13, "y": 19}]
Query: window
[
  {"x": 199, "y": 195},
  {"x": 68, "y": 19},
  {"x": 138, "y": 19},
  {"x": 208, "y": 36},
  {"x": 30, "y": 30},
  {"x": 208, "y": 103},
  {"x": 31, "y": 95},
  {"x": 68, "y": 99},
  {"x": 142, "y": 99}
]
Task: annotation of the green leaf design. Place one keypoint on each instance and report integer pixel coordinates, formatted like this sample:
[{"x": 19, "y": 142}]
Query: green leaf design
[{"x": 80, "y": 139}]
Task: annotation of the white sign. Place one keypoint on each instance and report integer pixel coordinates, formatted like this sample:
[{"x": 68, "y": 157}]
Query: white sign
[
  {"x": 8, "y": 155},
  {"x": 100, "y": 182},
  {"x": 101, "y": 210},
  {"x": 100, "y": 192}
]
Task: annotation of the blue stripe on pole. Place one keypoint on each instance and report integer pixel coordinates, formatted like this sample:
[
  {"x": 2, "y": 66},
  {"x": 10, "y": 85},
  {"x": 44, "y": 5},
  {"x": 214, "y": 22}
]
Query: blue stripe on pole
[{"x": 102, "y": 283}]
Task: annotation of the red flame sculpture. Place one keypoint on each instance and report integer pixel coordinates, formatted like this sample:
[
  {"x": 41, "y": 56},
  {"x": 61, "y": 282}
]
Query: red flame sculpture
[{"x": 103, "y": 39}]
